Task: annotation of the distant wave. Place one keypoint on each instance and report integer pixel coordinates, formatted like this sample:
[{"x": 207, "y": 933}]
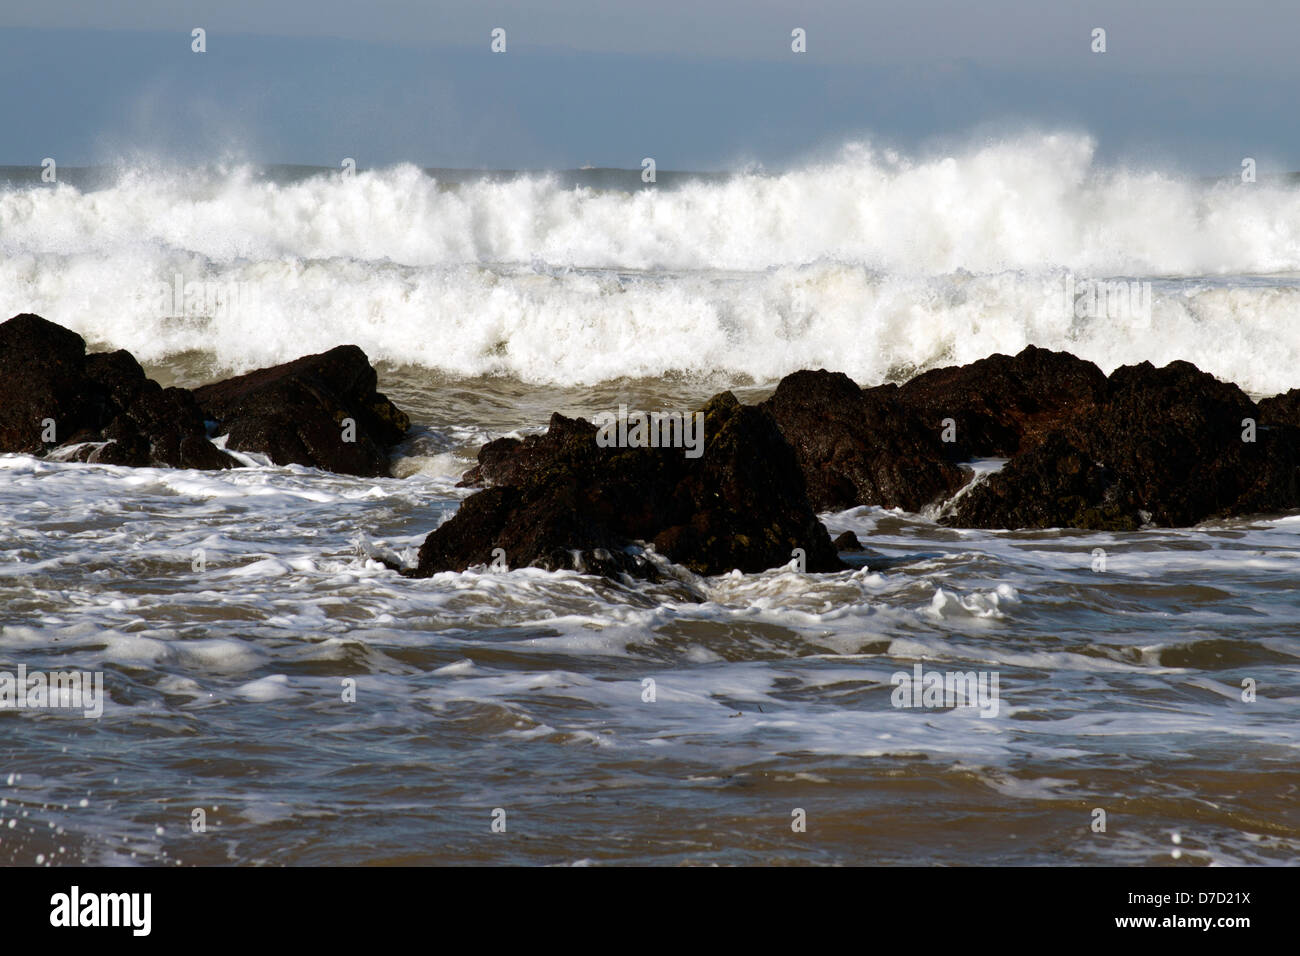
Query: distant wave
[{"x": 873, "y": 264}]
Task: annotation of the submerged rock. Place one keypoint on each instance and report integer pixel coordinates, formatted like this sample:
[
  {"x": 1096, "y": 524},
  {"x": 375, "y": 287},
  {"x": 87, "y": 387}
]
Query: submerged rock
[
  {"x": 320, "y": 410},
  {"x": 560, "y": 501},
  {"x": 848, "y": 541}
]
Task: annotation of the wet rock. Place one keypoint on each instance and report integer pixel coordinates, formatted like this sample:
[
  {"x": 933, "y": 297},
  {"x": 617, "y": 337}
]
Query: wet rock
[
  {"x": 848, "y": 541},
  {"x": 559, "y": 500},
  {"x": 119, "y": 377},
  {"x": 1175, "y": 434},
  {"x": 1271, "y": 472},
  {"x": 130, "y": 449},
  {"x": 320, "y": 410},
  {"x": 509, "y": 461},
  {"x": 1055, "y": 485},
  {"x": 103, "y": 401},
  {"x": 1003, "y": 405},
  {"x": 44, "y": 390},
  {"x": 859, "y": 447},
  {"x": 1281, "y": 409},
  {"x": 1167, "y": 447},
  {"x": 168, "y": 424},
  {"x": 544, "y": 525}
]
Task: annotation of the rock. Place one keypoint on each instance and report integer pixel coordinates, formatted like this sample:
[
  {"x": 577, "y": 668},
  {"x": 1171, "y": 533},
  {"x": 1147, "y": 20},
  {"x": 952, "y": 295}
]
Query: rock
[
  {"x": 1055, "y": 485},
  {"x": 1165, "y": 448},
  {"x": 1004, "y": 405},
  {"x": 744, "y": 503},
  {"x": 119, "y": 377},
  {"x": 543, "y": 526},
  {"x": 297, "y": 413},
  {"x": 1272, "y": 472},
  {"x": 858, "y": 447},
  {"x": 168, "y": 424},
  {"x": 42, "y": 379},
  {"x": 848, "y": 541},
  {"x": 102, "y": 399},
  {"x": 509, "y": 461},
  {"x": 130, "y": 450},
  {"x": 1175, "y": 435},
  {"x": 1281, "y": 409},
  {"x": 559, "y": 500}
]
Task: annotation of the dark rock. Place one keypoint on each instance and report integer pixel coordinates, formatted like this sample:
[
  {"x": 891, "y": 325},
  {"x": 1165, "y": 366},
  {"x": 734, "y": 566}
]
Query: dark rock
[
  {"x": 1175, "y": 435},
  {"x": 1054, "y": 485},
  {"x": 42, "y": 378},
  {"x": 295, "y": 413},
  {"x": 860, "y": 447},
  {"x": 120, "y": 379},
  {"x": 848, "y": 541},
  {"x": 508, "y": 461},
  {"x": 130, "y": 449},
  {"x": 168, "y": 423},
  {"x": 1281, "y": 409},
  {"x": 559, "y": 500},
  {"x": 1271, "y": 472},
  {"x": 744, "y": 505},
  {"x": 103, "y": 400},
  {"x": 531, "y": 529},
  {"x": 1004, "y": 405},
  {"x": 1165, "y": 448}
]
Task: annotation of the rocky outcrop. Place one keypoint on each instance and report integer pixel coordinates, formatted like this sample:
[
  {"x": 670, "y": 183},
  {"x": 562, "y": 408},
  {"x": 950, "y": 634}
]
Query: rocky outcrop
[
  {"x": 320, "y": 410},
  {"x": 1169, "y": 447},
  {"x": 859, "y": 447},
  {"x": 56, "y": 396},
  {"x": 1003, "y": 405},
  {"x": 560, "y": 501}
]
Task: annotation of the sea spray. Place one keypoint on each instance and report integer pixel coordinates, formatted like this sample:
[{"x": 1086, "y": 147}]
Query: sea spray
[{"x": 875, "y": 264}]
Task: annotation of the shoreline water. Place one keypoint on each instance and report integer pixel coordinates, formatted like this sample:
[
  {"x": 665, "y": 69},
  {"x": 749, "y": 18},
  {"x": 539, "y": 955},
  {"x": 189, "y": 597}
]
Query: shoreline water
[{"x": 771, "y": 693}]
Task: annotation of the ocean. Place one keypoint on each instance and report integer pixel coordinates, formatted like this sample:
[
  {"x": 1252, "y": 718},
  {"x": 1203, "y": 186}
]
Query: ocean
[{"x": 262, "y": 665}]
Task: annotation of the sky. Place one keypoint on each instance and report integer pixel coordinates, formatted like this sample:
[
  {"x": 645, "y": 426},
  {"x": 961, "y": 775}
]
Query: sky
[{"x": 702, "y": 85}]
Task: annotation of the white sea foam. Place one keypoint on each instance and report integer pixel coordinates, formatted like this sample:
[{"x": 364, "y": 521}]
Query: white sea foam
[{"x": 872, "y": 264}]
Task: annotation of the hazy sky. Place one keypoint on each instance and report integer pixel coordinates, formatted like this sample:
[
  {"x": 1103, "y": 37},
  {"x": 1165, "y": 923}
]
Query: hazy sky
[{"x": 699, "y": 84}]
